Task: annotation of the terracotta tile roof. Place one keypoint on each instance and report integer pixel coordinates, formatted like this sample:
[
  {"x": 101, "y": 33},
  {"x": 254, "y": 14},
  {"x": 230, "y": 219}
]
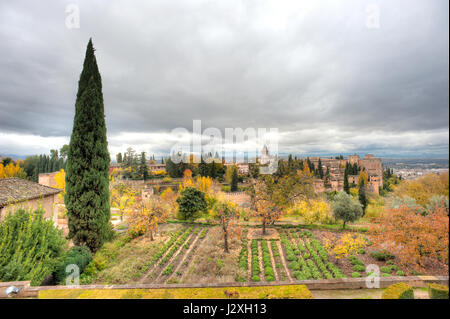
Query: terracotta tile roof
[{"x": 13, "y": 190}]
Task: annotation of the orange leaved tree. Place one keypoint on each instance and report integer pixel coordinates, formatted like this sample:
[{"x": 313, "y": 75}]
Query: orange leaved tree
[
  {"x": 412, "y": 237},
  {"x": 227, "y": 216},
  {"x": 146, "y": 216},
  {"x": 263, "y": 202}
]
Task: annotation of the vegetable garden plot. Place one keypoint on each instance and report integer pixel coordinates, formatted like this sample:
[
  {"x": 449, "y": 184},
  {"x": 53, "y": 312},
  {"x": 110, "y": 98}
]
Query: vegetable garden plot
[
  {"x": 306, "y": 257},
  {"x": 156, "y": 265}
]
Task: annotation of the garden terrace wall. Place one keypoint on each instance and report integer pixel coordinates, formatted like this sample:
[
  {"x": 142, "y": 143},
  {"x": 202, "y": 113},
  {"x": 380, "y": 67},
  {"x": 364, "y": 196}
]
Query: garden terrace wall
[{"x": 344, "y": 283}]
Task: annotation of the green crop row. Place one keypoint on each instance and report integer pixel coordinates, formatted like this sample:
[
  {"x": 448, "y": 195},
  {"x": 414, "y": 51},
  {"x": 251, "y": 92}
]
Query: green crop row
[
  {"x": 243, "y": 255},
  {"x": 255, "y": 261},
  {"x": 163, "y": 250},
  {"x": 175, "y": 247},
  {"x": 268, "y": 267}
]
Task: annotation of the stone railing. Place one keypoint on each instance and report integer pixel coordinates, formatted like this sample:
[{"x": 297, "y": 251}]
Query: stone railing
[{"x": 329, "y": 284}]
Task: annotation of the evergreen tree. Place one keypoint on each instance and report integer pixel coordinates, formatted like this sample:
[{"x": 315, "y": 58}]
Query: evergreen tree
[
  {"x": 320, "y": 169},
  {"x": 362, "y": 196},
  {"x": 143, "y": 170},
  {"x": 234, "y": 180},
  {"x": 119, "y": 158},
  {"x": 212, "y": 170},
  {"x": 355, "y": 169},
  {"x": 202, "y": 167},
  {"x": 290, "y": 163},
  {"x": 87, "y": 183},
  {"x": 346, "y": 186}
]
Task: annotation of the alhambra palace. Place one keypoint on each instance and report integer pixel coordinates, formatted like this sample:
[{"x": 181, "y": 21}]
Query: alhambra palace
[{"x": 336, "y": 167}]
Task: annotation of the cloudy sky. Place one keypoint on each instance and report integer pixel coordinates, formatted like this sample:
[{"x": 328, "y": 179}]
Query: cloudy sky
[{"x": 332, "y": 76}]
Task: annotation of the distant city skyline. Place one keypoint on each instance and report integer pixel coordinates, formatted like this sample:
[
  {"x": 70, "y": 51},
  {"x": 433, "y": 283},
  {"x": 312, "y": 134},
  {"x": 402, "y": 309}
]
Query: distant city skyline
[{"x": 327, "y": 75}]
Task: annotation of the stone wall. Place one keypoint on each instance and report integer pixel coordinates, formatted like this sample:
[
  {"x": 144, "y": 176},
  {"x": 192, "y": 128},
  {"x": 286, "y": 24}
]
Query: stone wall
[
  {"x": 328, "y": 284},
  {"x": 48, "y": 204}
]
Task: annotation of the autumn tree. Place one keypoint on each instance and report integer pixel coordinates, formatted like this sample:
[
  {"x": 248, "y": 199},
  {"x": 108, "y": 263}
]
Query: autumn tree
[
  {"x": 169, "y": 198},
  {"x": 123, "y": 198},
  {"x": 264, "y": 206},
  {"x": 346, "y": 208},
  {"x": 424, "y": 188},
  {"x": 413, "y": 238},
  {"x": 227, "y": 215},
  {"x": 146, "y": 216},
  {"x": 60, "y": 180},
  {"x": 11, "y": 170},
  {"x": 87, "y": 169}
]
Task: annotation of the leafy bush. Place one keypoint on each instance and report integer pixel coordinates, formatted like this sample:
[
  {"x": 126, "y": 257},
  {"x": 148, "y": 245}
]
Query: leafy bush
[
  {"x": 398, "y": 291},
  {"x": 436, "y": 291},
  {"x": 191, "y": 202},
  {"x": 356, "y": 275},
  {"x": 381, "y": 255},
  {"x": 400, "y": 273},
  {"x": 77, "y": 255},
  {"x": 385, "y": 275},
  {"x": 255, "y": 278},
  {"x": 385, "y": 269},
  {"x": 30, "y": 246},
  {"x": 359, "y": 268}
]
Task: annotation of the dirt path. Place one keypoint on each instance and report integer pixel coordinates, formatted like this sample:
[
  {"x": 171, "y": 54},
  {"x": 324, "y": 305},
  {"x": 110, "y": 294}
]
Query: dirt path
[
  {"x": 189, "y": 265},
  {"x": 249, "y": 260},
  {"x": 186, "y": 254},
  {"x": 261, "y": 264},
  {"x": 283, "y": 261},
  {"x": 272, "y": 260}
]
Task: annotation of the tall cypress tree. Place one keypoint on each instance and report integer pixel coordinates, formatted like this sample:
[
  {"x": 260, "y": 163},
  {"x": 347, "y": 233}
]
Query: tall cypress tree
[
  {"x": 87, "y": 183},
  {"x": 362, "y": 196},
  {"x": 234, "y": 180},
  {"x": 346, "y": 186}
]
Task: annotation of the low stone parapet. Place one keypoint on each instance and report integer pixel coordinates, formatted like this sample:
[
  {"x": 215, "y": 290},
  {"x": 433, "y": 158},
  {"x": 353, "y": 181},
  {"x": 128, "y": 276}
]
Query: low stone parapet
[{"x": 329, "y": 284}]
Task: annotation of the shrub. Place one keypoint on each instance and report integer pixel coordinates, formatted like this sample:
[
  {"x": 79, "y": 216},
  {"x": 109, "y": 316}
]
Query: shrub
[
  {"x": 381, "y": 255},
  {"x": 436, "y": 291},
  {"x": 255, "y": 278},
  {"x": 398, "y": 291},
  {"x": 385, "y": 269},
  {"x": 394, "y": 268},
  {"x": 30, "y": 246},
  {"x": 400, "y": 273},
  {"x": 385, "y": 275},
  {"x": 356, "y": 275},
  {"x": 359, "y": 268},
  {"x": 77, "y": 255}
]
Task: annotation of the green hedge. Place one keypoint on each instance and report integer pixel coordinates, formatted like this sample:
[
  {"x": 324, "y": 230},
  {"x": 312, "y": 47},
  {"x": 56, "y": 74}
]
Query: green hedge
[
  {"x": 77, "y": 255},
  {"x": 398, "y": 291},
  {"x": 436, "y": 291},
  {"x": 30, "y": 246}
]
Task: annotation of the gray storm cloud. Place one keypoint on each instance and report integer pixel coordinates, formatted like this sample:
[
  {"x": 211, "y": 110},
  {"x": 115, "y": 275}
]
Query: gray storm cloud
[{"x": 313, "y": 69}]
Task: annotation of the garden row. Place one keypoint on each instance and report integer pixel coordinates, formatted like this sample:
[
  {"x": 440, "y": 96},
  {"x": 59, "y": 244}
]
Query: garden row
[
  {"x": 163, "y": 263},
  {"x": 307, "y": 258}
]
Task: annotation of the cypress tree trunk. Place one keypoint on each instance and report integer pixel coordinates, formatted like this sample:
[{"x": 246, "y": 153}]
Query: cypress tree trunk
[{"x": 87, "y": 168}]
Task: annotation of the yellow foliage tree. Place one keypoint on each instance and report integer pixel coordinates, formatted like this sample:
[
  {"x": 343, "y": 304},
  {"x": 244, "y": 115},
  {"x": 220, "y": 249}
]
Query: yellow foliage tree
[
  {"x": 146, "y": 216},
  {"x": 422, "y": 189},
  {"x": 363, "y": 176},
  {"x": 123, "y": 198},
  {"x": 169, "y": 198},
  {"x": 60, "y": 180},
  {"x": 12, "y": 170},
  {"x": 313, "y": 211},
  {"x": 348, "y": 244}
]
